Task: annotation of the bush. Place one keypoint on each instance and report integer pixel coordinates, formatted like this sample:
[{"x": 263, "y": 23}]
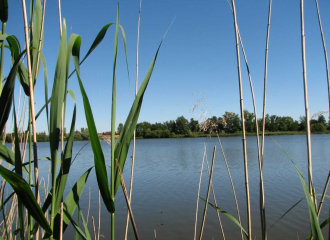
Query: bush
[{"x": 318, "y": 128}]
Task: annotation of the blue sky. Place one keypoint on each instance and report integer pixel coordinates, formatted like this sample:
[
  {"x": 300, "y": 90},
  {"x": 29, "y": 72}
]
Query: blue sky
[{"x": 198, "y": 55}]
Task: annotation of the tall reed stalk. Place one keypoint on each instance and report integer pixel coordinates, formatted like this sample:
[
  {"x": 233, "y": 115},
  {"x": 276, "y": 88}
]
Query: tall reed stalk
[
  {"x": 134, "y": 134},
  {"x": 246, "y": 172},
  {"x": 207, "y": 195},
  {"x": 325, "y": 51},
  {"x": 31, "y": 88},
  {"x": 4, "y": 22},
  {"x": 308, "y": 131},
  {"x": 113, "y": 125}
]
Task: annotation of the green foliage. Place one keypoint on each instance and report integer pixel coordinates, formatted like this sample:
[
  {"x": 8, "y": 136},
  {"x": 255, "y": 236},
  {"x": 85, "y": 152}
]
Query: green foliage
[{"x": 318, "y": 128}]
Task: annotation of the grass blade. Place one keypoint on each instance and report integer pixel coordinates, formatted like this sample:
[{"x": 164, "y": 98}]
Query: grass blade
[
  {"x": 23, "y": 191},
  {"x": 234, "y": 220},
  {"x": 99, "y": 162},
  {"x": 314, "y": 222},
  {"x": 126, "y": 134}
]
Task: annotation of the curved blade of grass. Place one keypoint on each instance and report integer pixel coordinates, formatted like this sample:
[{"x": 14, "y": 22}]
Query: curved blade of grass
[
  {"x": 126, "y": 134},
  {"x": 35, "y": 37},
  {"x": 14, "y": 46},
  {"x": 70, "y": 204},
  {"x": 100, "y": 36},
  {"x": 56, "y": 107},
  {"x": 234, "y": 220},
  {"x": 314, "y": 221},
  {"x": 7, "y": 95},
  {"x": 66, "y": 159},
  {"x": 99, "y": 162},
  {"x": 43, "y": 60},
  {"x": 285, "y": 213},
  {"x": 23, "y": 191},
  {"x": 7, "y": 199},
  {"x": 88, "y": 235},
  {"x": 7, "y": 154},
  {"x": 18, "y": 170},
  {"x": 76, "y": 226}
]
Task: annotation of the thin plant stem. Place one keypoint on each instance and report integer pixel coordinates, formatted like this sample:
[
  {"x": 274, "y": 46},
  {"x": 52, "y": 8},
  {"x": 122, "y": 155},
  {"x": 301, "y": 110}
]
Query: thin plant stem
[
  {"x": 99, "y": 224},
  {"x": 94, "y": 228},
  {"x": 35, "y": 152},
  {"x": 2, "y": 56},
  {"x": 232, "y": 183},
  {"x": 215, "y": 202},
  {"x": 323, "y": 195},
  {"x": 89, "y": 205},
  {"x": 325, "y": 51},
  {"x": 199, "y": 188},
  {"x": 207, "y": 195},
  {"x": 246, "y": 172},
  {"x": 262, "y": 191},
  {"x": 134, "y": 134},
  {"x": 113, "y": 124},
  {"x": 308, "y": 131},
  {"x": 60, "y": 16},
  {"x": 126, "y": 198}
]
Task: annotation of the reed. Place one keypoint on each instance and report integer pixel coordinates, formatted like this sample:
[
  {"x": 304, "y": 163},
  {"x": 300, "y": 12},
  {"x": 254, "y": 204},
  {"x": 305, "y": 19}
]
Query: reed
[
  {"x": 207, "y": 195},
  {"x": 308, "y": 127},
  {"x": 246, "y": 172},
  {"x": 134, "y": 134},
  {"x": 324, "y": 50}
]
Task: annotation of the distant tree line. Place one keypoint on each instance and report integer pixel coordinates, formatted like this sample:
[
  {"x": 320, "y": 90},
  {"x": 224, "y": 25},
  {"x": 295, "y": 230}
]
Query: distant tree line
[{"x": 228, "y": 123}]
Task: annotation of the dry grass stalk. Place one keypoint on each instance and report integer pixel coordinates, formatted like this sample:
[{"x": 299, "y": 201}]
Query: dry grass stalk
[
  {"x": 323, "y": 195},
  {"x": 199, "y": 188},
  {"x": 134, "y": 134},
  {"x": 260, "y": 158},
  {"x": 215, "y": 202},
  {"x": 324, "y": 49},
  {"x": 155, "y": 234},
  {"x": 232, "y": 184},
  {"x": 308, "y": 131},
  {"x": 99, "y": 224},
  {"x": 247, "y": 188},
  {"x": 94, "y": 228},
  {"x": 89, "y": 205},
  {"x": 207, "y": 195},
  {"x": 126, "y": 198},
  {"x": 35, "y": 152}
]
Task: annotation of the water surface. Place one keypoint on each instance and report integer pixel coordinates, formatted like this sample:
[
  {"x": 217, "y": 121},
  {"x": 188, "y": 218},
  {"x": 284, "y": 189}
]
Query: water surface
[{"x": 166, "y": 181}]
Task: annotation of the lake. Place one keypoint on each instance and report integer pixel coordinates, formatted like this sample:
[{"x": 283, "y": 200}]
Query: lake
[{"x": 166, "y": 182}]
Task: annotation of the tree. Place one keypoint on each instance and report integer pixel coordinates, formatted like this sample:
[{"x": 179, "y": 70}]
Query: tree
[
  {"x": 250, "y": 125},
  {"x": 318, "y": 128},
  {"x": 84, "y": 133},
  {"x": 193, "y": 125},
  {"x": 182, "y": 125},
  {"x": 232, "y": 121},
  {"x": 321, "y": 119},
  {"x": 120, "y": 127}
]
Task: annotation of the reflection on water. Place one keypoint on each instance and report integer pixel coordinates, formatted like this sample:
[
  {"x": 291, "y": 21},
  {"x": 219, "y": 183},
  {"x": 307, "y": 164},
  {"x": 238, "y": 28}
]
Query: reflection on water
[{"x": 166, "y": 182}]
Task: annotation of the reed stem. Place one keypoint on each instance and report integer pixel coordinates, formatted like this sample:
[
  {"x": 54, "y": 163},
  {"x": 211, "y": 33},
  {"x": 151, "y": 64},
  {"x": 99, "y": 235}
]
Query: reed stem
[
  {"x": 113, "y": 124},
  {"x": 134, "y": 134},
  {"x": 2, "y": 56},
  {"x": 215, "y": 202},
  {"x": 126, "y": 198},
  {"x": 207, "y": 195},
  {"x": 325, "y": 51},
  {"x": 308, "y": 131},
  {"x": 323, "y": 196},
  {"x": 246, "y": 172},
  {"x": 31, "y": 87},
  {"x": 199, "y": 188}
]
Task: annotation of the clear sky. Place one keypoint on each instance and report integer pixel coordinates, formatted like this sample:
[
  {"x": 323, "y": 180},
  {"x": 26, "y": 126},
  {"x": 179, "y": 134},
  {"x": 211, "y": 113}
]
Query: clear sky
[{"x": 198, "y": 55}]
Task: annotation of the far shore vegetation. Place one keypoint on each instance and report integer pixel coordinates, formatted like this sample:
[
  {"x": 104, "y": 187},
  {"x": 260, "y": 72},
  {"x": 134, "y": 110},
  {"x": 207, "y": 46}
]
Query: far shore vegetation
[{"x": 229, "y": 125}]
